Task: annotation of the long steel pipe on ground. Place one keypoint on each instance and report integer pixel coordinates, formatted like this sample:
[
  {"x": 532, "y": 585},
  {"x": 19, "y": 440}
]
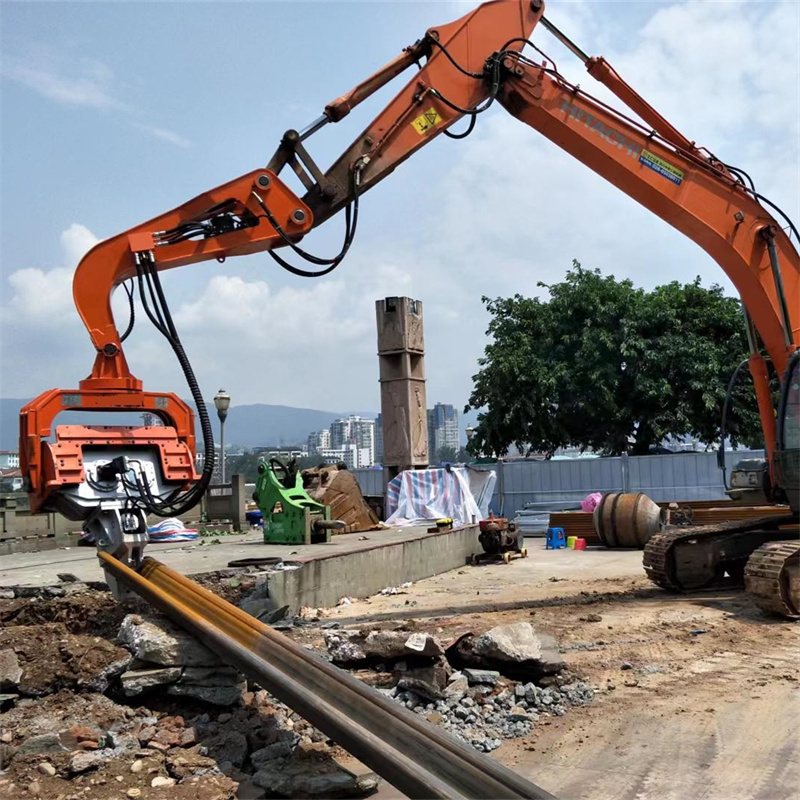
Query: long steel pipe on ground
[{"x": 410, "y": 753}]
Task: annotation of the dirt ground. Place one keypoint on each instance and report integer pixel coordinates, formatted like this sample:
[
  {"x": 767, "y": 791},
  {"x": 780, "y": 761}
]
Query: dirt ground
[{"x": 696, "y": 696}]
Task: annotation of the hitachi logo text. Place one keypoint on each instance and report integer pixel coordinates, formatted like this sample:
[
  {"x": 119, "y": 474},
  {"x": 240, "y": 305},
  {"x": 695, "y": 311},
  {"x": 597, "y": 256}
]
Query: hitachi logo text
[{"x": 611, "y": 135}]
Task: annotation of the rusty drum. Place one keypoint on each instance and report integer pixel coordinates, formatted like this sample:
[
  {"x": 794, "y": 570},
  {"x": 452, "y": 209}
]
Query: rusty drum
[{"x": 628, "y": 520}]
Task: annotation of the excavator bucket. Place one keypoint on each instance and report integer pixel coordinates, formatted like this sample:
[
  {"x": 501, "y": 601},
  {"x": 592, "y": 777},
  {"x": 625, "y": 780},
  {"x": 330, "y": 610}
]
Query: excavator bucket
[{"x": 339, "y": 490}]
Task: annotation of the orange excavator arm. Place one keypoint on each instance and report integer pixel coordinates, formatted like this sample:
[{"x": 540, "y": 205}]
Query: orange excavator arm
[{"x": 464, "y": 67}]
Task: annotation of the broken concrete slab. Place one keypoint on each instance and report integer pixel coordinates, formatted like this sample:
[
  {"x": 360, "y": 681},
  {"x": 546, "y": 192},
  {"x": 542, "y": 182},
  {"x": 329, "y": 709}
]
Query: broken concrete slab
[
  {"x": 352, "y": 646},
  {"x": 102, "y": 680},
  {"x": 488, "y": 677},
  {"x": 291, "y": 777},
  {"x": 215, "y": 695},
  {"x": 43, "y": 743},
  {"x": 10, "y": 670},
  {"x": 456, "y": 689},
  {"x": 161, "y": 642},
  {"x": 517, "y": 642},
  {"x": 137, "y": 681},
  {"x": 516, "y": 650},
  {"x": 436, "y": 673},
  {"x": 212, "y": 676},
  {"x": 270, "y": 753},
  {"x": 428, "y": 691}
]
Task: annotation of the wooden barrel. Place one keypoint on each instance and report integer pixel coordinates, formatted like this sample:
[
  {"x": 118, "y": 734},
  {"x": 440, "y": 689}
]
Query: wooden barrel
[{"x": 627, "y": 520}]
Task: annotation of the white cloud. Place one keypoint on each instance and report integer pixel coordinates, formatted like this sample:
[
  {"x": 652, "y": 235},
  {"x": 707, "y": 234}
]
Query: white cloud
[
  {"x": 82, "y": 82},
  {"x": 43, "y": 298},
  {"x": 165, "y": 134},
  {"x": 76, "y": 242},
  {"x": 89, "y": 85},
  {"x": 308, "y": 344}
]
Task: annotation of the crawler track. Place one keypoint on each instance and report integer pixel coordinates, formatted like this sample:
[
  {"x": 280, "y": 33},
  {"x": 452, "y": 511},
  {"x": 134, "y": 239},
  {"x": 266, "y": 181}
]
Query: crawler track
[
  {"x": 410, "y": 753},
  {"x": 768, "y": 578},
  {"x": 705, "y": 556}
]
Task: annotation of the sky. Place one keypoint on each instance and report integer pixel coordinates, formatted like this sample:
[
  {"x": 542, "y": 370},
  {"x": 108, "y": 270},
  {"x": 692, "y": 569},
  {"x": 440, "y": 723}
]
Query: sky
[{"x": 114, "y": 112}]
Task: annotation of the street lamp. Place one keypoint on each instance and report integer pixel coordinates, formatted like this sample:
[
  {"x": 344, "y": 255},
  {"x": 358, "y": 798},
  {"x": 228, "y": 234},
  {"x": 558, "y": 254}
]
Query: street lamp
[{"x": 222, "y": 402}]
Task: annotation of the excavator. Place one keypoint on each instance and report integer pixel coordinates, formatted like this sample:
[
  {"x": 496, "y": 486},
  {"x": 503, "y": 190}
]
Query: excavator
[{"x": 112, "y": 477}]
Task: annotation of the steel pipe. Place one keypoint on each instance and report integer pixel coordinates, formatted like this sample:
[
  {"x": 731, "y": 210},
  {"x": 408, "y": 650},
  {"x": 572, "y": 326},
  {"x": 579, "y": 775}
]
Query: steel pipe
[{"x": 410, "y": 753}]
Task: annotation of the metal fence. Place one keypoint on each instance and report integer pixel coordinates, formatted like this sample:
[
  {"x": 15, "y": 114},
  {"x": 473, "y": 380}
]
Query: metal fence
[
  {"x": 370, "y": 481},
  {"x": 552, "y": 485}
]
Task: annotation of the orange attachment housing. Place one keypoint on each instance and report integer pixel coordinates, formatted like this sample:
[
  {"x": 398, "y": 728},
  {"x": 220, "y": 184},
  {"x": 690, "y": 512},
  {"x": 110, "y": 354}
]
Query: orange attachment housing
[
  {"x": 52, "y": 465},
  {"x": 62, "y": 462}
]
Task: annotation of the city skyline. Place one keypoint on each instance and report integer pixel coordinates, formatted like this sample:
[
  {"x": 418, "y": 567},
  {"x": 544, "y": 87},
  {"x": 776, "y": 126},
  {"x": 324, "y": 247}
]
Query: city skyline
[{"x": 347, "y": 438}]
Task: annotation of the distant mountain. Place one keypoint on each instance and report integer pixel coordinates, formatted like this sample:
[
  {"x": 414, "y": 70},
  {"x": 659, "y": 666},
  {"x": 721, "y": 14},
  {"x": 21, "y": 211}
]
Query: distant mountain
[
  {"x": 247, "y": 425},
  {"x": 259, "y": 424}
]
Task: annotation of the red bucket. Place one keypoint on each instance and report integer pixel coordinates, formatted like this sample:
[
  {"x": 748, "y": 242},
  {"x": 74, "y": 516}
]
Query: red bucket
[{"x": 580, "y": 544}]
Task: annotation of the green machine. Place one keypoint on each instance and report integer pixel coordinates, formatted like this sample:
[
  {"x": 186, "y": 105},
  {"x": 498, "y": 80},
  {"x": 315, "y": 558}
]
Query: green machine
[{"x": 290, "y": 516}]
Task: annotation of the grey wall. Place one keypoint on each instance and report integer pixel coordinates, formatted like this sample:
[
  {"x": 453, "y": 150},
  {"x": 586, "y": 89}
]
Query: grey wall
[
  {"x": 370, "y": 481},
  {"x": 678, "y": 476}
]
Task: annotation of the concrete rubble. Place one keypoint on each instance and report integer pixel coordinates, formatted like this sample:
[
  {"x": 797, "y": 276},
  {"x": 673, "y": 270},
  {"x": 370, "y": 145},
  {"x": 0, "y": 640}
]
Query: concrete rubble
[
  {"x": 517, "y": 650},
  {"x": 354, "y": 646},
  {"x": 168, "y": 659},
  {"x": 480, "y": 705},
  {"x": 147, "y": 708},
  {"x": 484, "y": 715},
  {"x": 260, "y": 741}
]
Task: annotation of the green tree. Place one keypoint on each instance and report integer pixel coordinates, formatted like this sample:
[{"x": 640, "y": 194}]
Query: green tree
[
  {"x": 604, "y": 365},
  {"x": 247, "y": 465},
  {"x": 446, "y": 455}
]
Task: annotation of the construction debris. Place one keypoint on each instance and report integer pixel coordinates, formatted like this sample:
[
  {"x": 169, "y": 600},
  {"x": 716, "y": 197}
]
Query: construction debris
[
  {"x": 355, "y": 646},
  {"x": 67, "y": 742},
  {"x": 491, "y": 709},
  {"x": 164, "y": 643},
  {"x": 169, "y": 659},
  {"x": 517, "y": 650}
]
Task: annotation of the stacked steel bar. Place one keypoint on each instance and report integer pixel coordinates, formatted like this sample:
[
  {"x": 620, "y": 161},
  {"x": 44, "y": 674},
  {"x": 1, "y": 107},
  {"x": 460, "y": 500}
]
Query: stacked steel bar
[{"x": 410, "y": 753}]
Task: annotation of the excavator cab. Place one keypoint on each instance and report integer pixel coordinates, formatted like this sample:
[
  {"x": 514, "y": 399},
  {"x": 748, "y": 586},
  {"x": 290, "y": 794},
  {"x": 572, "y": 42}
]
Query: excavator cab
[{"x": 787, "y": 455}]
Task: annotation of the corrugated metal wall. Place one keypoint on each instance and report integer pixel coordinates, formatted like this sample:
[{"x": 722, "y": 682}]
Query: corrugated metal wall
[
  {"x": 370, "y": 481},
  {"x": 678, "y": 476}
]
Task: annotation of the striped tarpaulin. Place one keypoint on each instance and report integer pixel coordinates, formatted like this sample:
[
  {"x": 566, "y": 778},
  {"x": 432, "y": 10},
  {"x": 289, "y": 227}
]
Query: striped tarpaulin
[{"x": 416, "y": 496}]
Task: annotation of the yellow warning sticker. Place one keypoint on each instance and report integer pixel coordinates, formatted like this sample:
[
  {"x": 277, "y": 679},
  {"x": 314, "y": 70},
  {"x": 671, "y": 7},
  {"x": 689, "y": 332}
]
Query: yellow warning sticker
[{"x": 424, "y": 122}]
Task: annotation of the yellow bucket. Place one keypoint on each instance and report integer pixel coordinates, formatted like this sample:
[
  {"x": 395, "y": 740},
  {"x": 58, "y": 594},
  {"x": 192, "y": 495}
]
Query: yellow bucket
[{"x": 571, "y": 542}]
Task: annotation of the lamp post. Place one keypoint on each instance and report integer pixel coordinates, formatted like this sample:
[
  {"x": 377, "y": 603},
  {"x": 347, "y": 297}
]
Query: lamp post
[
  {"x": 470, "y": 431},
  {"x": 222, "y": 402}
]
